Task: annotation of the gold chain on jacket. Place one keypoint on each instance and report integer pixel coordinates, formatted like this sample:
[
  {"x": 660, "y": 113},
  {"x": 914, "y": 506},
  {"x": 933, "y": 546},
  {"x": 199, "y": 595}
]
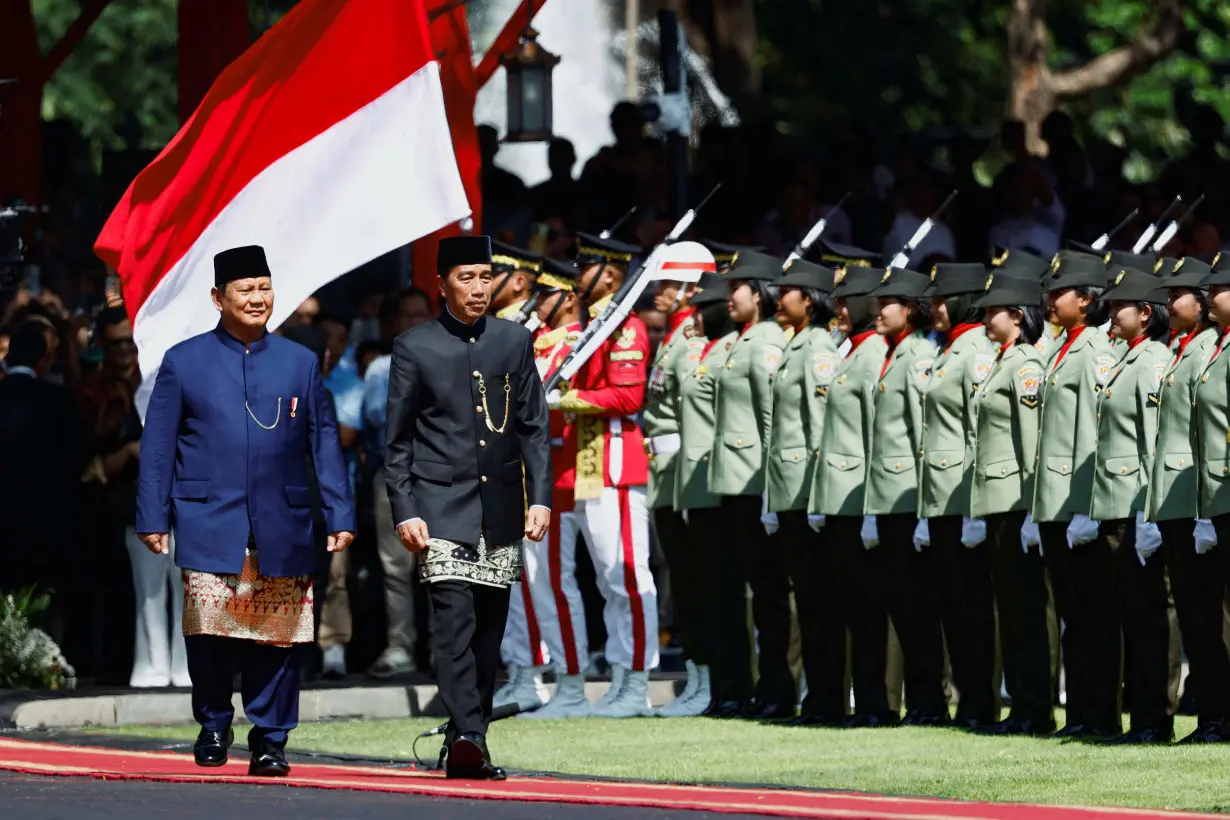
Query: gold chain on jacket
[{"x": 482, "y": 391}]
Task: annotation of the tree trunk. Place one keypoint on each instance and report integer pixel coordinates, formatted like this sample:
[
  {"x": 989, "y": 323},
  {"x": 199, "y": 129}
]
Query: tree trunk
[{"x": 1034, "y": 90}]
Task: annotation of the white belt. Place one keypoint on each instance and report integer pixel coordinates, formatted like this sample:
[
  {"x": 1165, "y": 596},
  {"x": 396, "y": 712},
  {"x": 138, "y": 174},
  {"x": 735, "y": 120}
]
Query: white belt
[
  {"x": 615, "y": 461},
  {"x": 663, "y": 445}
]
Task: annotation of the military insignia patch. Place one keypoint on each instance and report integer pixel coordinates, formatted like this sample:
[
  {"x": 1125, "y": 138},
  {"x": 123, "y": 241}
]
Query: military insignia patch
[
  {"x": 824, "y": 367},
  {"x": 1178, "y": 265},
  {"x": 1055, "y": 265},
  {"x": 693, "y": 356},
  {"x": 701, "y": 371},
  {"x": 1030, "y": 380},
  {"x": 987, "y": 285},
  {"x": 821, "y": 390},
  {"x": 1159, "y": 372},
  {"x": 887, "y": 275},
  {"x": 1106, "y": 259},
  {"x": 1119, "y": 276},
  {"x": 1216, "y": 259},
  {"x": 838, "y": 275},
  {"x": 689, "y": 330},
  {"x": 933, "y": 267},
  {"x": 627, "y": 337},
  {"x": 996, "y": 261},
  {"x": 1157, "y": 266},
  {"x": 922, "y": 369},
  {"x": 771, "y": 356},
  {"x": 1153, "y": 399},
  {"x": 983, "y": 362},
  {"x": 1102, "y": 366}
]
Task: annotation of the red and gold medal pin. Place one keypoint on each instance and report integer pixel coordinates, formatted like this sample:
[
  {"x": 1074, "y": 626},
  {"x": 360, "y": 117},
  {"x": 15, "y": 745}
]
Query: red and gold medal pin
[{"x": 294, "y": 405}]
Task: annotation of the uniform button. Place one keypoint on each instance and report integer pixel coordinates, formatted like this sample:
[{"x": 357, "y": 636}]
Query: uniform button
[
  {"x": 1064, "y": 468},
  {"x": 738, "y": 442},
  {"x": 1181, "y": 462},
  {"x": 478, "y": 408},
  {"x": 482, "y": 443},
  {"x": 246, "y": 351},
  {"x": 796, "y": 456},
  {"x": 1225, "y": 470},
  {"x": 472, "y": 340},
  {"x": 705, "y": 458},
  {"x": 483, "y": 479},
  {"x": 897, "y": 466},
  {"x": 729, "y": 365},
  {"x": 476, "y": 374},
  {"x": 1003, "y": 471},
  {"x": 843, "y": 464},
  {"x": 1123, "y": 469},
  {"x": 943, "y": 462}
]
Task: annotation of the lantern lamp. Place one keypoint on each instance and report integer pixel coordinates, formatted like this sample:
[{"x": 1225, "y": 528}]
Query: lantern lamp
[{"x": 529, "y": 90}]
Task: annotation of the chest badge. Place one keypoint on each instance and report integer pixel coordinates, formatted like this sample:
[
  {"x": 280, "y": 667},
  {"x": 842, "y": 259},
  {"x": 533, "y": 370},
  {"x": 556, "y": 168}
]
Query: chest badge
[{"x": 294, "y": 405}]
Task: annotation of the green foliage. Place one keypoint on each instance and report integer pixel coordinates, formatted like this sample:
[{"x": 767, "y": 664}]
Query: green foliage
[
  {"x": 29, "y": 659},
  {"x": 118, "y": 87}
]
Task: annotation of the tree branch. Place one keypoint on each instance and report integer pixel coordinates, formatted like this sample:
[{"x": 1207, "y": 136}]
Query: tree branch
[
  {"x": 72, "y": 38},
  {"x": 1121, "y": 64}
]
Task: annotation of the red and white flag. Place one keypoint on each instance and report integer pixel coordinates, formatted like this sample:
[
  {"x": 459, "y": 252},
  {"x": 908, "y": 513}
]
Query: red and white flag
[{"x": 326, "y": 142}]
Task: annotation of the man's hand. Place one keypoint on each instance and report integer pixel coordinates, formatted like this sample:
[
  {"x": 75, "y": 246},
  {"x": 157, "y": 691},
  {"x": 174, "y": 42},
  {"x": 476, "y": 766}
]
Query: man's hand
[
  {"x": 158, "y": 543},
  {"x": 338, "y": 541},
  {"x": 537, "y": 520},
  {"x": 553, "y": 400},
  {"x": 413, "y": 535}
]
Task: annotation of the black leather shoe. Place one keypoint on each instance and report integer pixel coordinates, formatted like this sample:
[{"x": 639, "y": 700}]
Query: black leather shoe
[
  {"x": 1072, "y": 730},
  {"x": 870, "y": 720},
  {"x": 762, "y": 710},
  {"x": 1016, "y": 726},
  {"x": 1152, "y": 735},
  {"x": 1084, "y": 731},
  {"x": 468, "y": 760},
  {"x": 211, "y": 748},
  {"x": 268, "y": 760},
  {"x": 730, "y": 709},
  {"x": 920, "y": 718},
  {"x": 967, "y": 723},
  {"x": 818, "y": 721},
  {"x": 1208, "y": 733}
]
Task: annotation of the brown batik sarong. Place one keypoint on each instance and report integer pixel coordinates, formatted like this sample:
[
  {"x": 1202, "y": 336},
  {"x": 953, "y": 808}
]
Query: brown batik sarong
[{"x": 249, "y": 606}]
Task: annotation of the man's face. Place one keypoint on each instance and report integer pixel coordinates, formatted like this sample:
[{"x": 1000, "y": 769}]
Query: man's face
[
  {"x": 412, "y": 311},
  {"x": 655, "y": 323},
  {"x": 514, "y": 290},
  {"x": 246, "y": 302},
  {"x": 305, "y": 314},
  {"x": 119, "y": 350},
  {"x": 467, "y": 291},
  {"x": 339, "y": 338}
]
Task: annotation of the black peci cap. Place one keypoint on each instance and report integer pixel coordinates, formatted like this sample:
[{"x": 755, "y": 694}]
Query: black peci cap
[
  {"x": 455, "y": 251},
  {"x": 246, "y": 262}
]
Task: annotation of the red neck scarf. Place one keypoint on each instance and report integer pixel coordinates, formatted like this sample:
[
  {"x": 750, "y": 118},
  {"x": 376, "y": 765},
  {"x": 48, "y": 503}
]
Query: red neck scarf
[
  {"x": 959, "y": 331},
  {"x": 892, "y": 346},
  {"x": 1139, "y": 340},
  {"x": 676, "y": 320},
  {"x": 858, "y": 338},
  {"x": 1220, "y": 344},
  {"x": 708, "y": 346},
  {"x": 1183, "y": 342},
  {"x": 1073, "y": 335}
]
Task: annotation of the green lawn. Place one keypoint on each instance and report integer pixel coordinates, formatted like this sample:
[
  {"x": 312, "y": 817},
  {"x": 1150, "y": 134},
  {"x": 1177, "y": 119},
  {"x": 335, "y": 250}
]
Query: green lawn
[{"x": 933, "y": 762}]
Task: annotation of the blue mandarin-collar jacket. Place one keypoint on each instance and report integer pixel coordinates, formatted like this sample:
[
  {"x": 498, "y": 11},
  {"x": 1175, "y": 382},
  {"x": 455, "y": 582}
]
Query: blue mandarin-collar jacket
[{"x": 231, "y": 436}]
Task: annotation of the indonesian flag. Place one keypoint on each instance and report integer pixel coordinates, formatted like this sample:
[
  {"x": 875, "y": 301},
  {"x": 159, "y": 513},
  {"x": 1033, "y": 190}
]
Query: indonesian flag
[{"x": 326, "y": 142}]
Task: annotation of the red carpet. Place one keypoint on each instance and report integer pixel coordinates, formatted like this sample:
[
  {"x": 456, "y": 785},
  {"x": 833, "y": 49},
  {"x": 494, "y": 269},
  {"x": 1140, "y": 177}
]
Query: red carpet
[{"x": 114, "y": 764}]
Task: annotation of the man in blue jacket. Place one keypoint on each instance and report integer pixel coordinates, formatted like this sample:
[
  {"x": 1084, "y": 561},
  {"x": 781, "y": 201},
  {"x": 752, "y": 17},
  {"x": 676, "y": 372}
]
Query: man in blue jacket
[{"x": 234, "y": 415}]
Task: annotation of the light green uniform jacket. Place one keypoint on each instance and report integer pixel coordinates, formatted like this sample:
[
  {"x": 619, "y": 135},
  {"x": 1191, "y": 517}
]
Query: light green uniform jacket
[
  {"x": 661, "y": 415},
  {"x": 744, "y": 407},
  {"x": 1127, "y": 431},
  {"x": 948, "y": 424},
  {"x": 1007, "y": 417},
  {"x": 1063, "y": 482},
  {"x": 1212, "y": 422},
  {"x": 696, "y": 389},
  {"x": 808, "y": 367},
  {"x": 896, "y": 432},
  {"x": 1174, "y": 487}
]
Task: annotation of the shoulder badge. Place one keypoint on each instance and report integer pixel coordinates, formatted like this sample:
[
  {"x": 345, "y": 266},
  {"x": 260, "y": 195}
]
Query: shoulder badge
[
  {"x": 1102, "y": 366},
  {"x": 1159, "y": 372},
  {"x": 689, "y": 330},
  {"x": 824, "y": 367},
  {"x": 983, "y": 362},
  {"x": 771, "y": 356},
  {"x": 1029, "y": 384},
  {"x": 922, "y": 369},
  {"x": 627, "y": 337}
]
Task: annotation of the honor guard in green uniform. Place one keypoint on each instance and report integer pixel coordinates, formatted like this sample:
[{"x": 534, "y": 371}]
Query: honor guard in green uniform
[
  {"x": 808, "y": 367},
  {"x": 910, "y": 572},
  {"x": 968, "y": 609},
  {"x": 729, "y": 660},
  {"x": 724, "y": 255},
  {"x": 1003, "y": 468},
  {"x": 837, "y": 489},
  {"x": 1212, "y": 423},
  {"x": 1174, "y": 489},
  {"x": 1116, "y": 261},
  {"x": 515, "y": 271},
  {"x": 672, "y": 363},
  {"x": 1016, "y": 263},
  {"x": 1127, "y": 429},
  {"x": 1063, "y": 485},
  {"x": 746, "y": 552}
]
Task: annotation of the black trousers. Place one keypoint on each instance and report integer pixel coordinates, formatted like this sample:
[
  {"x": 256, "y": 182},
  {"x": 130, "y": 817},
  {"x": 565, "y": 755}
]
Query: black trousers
[
  {"x": 467, "y": 627},
  {"x": 1143, "y": 601},
  {"x": 913, "y": 580},
  {"x": 859, "y": 573},
  {"x": 724, "y": 604},
  {"x": 822, "y": 627},
  {"x": 690, "y": 582},
  {"x": 968, "y": 609},
  {"x": 762, "y": 563},
  {"x": 1018, "y": 579},
  {"x": 1083, "y": 581},
  {"x": 1198, "y": 586}
]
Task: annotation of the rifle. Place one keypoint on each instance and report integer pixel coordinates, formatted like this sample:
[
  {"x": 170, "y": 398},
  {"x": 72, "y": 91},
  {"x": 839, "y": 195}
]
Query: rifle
[
  {"x": 1102, "y": 241},
  {"x": 1152, "y": 229},
  {"x": 1173, "y": 227},
  {"x": 621, "y": 305},
  {"x": 801, "y": 249},
  {"x": 903, "y": 256}
]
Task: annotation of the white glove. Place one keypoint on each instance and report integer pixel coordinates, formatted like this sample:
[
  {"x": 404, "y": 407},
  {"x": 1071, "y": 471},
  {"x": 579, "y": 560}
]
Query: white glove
[
  {"x": 684, "y": 516},
  {"x": 1148, "y": 538},
  {"x": 1030, "y": 537},
  {"x": 769, "y": 520},
  {"x": 553, "y": 399},
  {"x": 816, "y": 522},
  {"x": 1206, "y": 536},
  {"x": 870, "y": 534},
  {"x": 922, "y": 535},
  {"x": 1082, "y": 530},
  {"x": 973, "y": 531}
]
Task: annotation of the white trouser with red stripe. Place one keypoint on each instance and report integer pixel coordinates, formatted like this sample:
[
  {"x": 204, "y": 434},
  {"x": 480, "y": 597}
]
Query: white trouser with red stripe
[
  {"x": 523, "y": 644},
  {"x": 615, "y": 526},
  {"x": 551, "y": 575}
]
